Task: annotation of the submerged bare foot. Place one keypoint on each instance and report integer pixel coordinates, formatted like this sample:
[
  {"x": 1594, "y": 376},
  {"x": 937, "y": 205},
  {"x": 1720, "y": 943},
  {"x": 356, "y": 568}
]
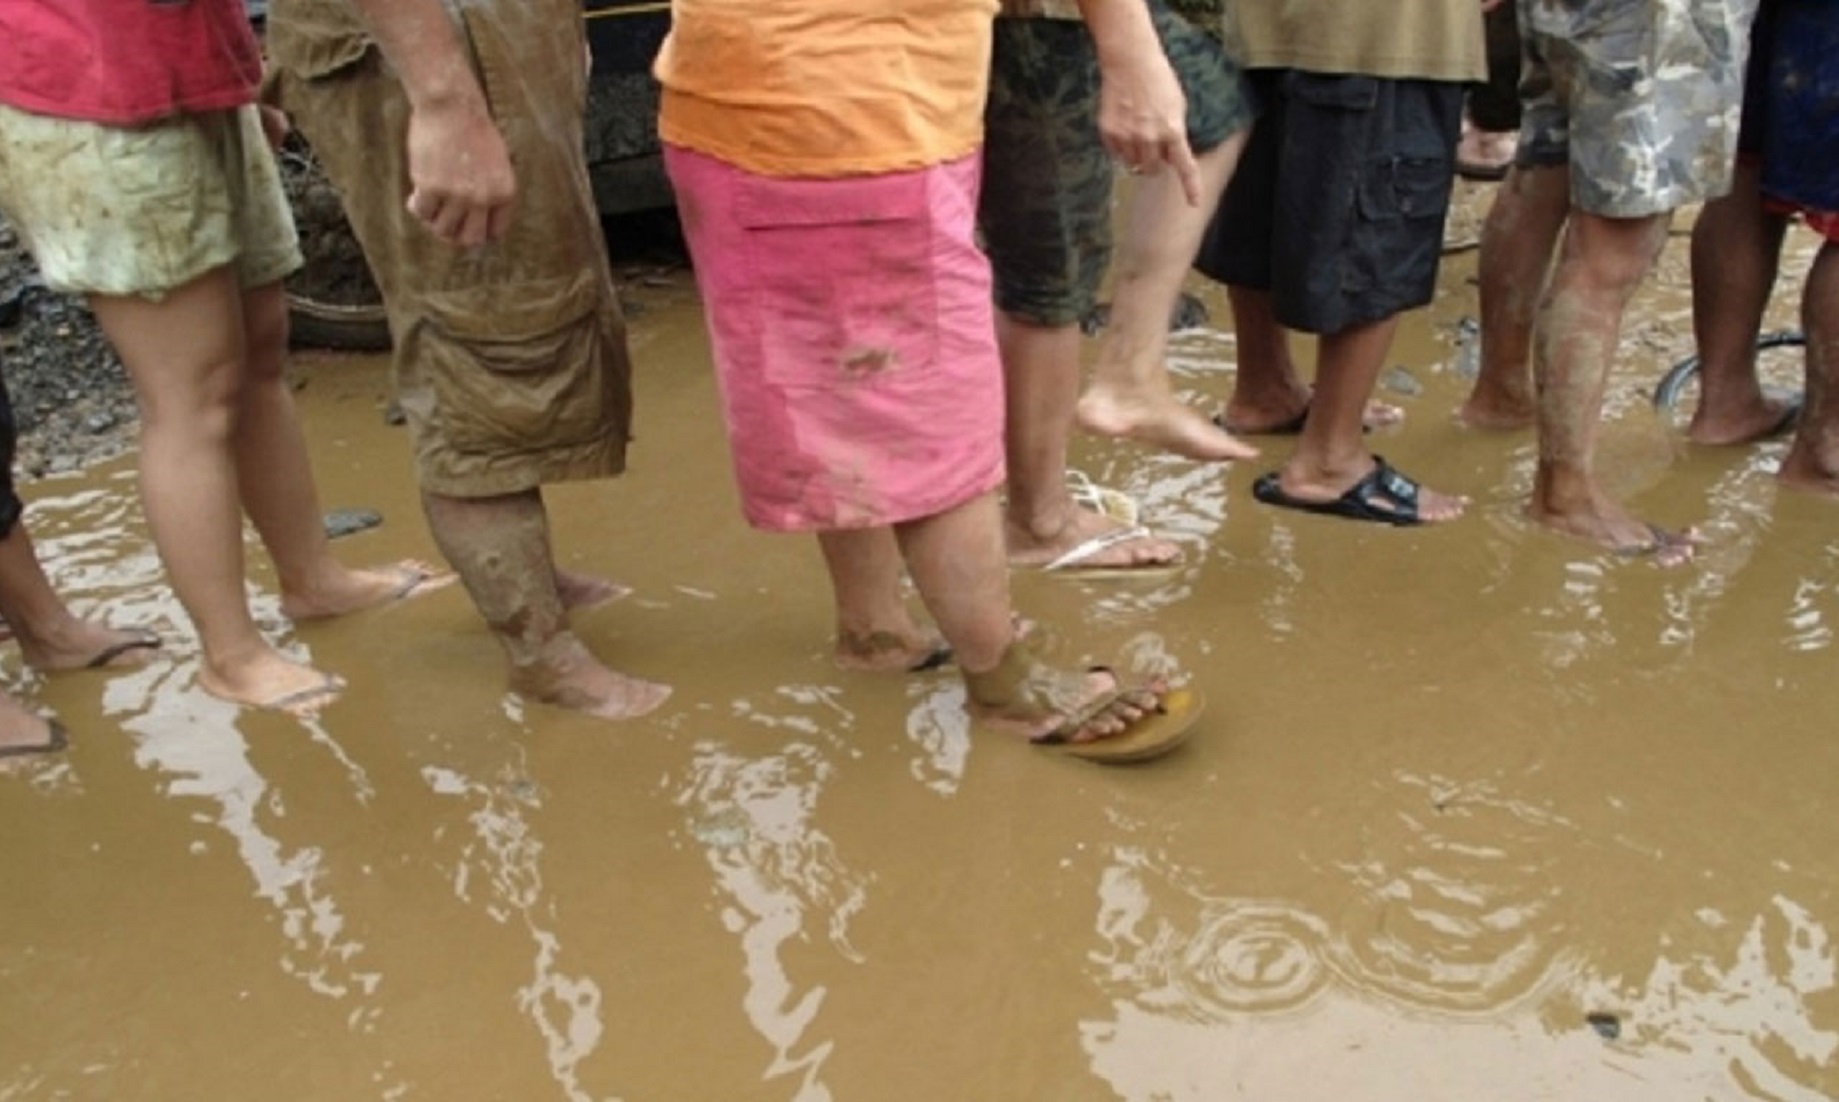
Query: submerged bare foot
[
  {"x": 1495, "y": 411},
  {"x": 24, "y": 733},
  {"x": 271, "y": 682},
  {"x": 580, "y": 592},
  {"x": 1160, "y": 421},
  {"x": 569, "y": 676},
  {"x": 86, "y": 645},
  {"x": 908, "y": 651},
  {"x": 1805, "y": 471},
  {"x": 1768, "y": 416},
  {"x": 1608, "y": 525},
  {"x": 346, "y": 590},
  {"x": 1113, "y": 545}
]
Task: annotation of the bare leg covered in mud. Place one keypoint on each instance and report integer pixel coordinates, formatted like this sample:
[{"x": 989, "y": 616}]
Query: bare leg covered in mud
[
  {"x": 1042, "y": 521},
  {"x": 1574, "y": 345},
  {"x": 1812, "y": 464},
  {"x": 51, "y": 637},
  {"x": 957, "y": 562},
  {"x": 1130, "y": 394},
  {"x": 875, "y": 631},
  {"x": 1517, "y": 241},
  {"x": 500, "y": 547},
  {"x": 275, "y": 484},
  {"x": 1268, "y": 395},
  {"x": 1331, "y": 456},
  {"x": 1736, "y": 250},
  {"x": 186, "y": 356}
]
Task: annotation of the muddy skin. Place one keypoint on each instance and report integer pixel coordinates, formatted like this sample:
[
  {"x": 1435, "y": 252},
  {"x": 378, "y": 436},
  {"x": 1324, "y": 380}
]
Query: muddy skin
[
  {"x": 500, "y": 548},
  {"x": 1022, "y": 696},
  {"x": 1517, "y": 240},
  {"x": 890, "y": 651},
  {"x": 875, "y": 630},
  {"x": 1575, "y": 342},
  {"x": 1812, "y": 464}
]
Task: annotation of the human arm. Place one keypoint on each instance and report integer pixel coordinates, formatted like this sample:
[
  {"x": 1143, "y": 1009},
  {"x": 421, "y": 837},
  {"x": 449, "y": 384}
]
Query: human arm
[
  {"x": 462, "y": 186},
  {"x": 1142, "y": 113}
]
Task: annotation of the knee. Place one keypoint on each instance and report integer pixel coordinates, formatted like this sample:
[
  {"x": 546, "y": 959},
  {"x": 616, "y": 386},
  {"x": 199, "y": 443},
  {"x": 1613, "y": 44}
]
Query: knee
[
  {"x": 202, "y": 407},
  {"x": 1613, "y": 261}
]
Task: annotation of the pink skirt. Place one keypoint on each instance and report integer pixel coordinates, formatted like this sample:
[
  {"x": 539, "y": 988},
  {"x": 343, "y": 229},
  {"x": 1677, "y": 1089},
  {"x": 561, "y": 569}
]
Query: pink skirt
[{"x": 853, "y": 337}]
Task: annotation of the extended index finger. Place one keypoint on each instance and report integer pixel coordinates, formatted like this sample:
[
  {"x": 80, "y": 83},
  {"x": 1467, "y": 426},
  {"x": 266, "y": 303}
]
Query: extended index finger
[{"x": 1181, "y": 159}]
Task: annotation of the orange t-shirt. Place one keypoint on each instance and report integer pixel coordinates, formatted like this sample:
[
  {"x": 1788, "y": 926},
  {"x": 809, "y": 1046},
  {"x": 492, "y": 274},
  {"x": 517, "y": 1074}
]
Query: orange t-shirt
[{"x": 818, "y": 88}]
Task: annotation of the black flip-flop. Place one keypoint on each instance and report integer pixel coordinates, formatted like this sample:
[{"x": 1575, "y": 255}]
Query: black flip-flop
[
  {"x": 1384, "y": 496},
  {"x": 57, "y": 740},
  {"x": 109, "y": 654},
  {"x": 935, "y": 659}
]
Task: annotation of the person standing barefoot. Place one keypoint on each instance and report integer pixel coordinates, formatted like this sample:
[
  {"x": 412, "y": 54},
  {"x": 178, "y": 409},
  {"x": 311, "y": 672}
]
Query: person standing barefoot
[
  {"x": 136, "y": 166},
  {"x": 510, "y": 351}
]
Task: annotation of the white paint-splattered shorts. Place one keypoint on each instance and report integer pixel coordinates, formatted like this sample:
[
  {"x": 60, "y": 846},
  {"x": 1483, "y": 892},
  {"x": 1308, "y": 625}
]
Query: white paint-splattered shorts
[{"x": 145, "y": 210}]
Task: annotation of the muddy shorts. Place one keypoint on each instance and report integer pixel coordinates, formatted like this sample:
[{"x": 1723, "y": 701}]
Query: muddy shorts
[
  {"x": 511, "y": 360},
  {"x": 1045, "y": 214},
  {"x": 853, "y": 341},
  {"x": 1791, "y": 110},
  {"x": 1640, "y": 97},
  {"x": 145, "y": 210},
  {"x": 1337, "y": 206}
]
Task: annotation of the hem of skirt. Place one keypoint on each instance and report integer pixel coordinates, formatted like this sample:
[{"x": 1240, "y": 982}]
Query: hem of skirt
[{"x": 784, "y": 521}]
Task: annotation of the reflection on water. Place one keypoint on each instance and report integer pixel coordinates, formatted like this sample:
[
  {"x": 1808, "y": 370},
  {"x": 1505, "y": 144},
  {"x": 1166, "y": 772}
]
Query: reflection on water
[
  {"x": 1459, "y": 794},
  {"x": 782, "y": 882},
  {"x": 506, "y": 855}
]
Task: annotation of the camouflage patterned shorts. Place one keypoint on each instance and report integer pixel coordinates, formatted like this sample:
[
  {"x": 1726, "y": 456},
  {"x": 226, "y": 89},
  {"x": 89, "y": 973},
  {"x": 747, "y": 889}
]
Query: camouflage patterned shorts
[
  {"x": 1045, "y": 212},
  {"x": 1640, "y": 97}
]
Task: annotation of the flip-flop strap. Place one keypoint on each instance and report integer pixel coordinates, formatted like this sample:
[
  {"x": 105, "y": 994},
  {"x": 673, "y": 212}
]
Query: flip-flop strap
[
  {"x": 1097, "y": 545},
  {"x": 1389, "y": 492},
  {"x": 110, "y": 653}
]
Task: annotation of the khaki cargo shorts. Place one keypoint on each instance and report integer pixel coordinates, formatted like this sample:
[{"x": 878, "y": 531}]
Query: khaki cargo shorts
[
  {"x": 1640, "y": 97},
  {"x": 511, "y": 361},
  {"x": 145, "y": 210}
]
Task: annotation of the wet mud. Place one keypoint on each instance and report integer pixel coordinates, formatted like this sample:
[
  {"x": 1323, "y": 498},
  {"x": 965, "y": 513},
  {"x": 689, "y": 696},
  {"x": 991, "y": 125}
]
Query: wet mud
[{"x": 1475, "y": 811}]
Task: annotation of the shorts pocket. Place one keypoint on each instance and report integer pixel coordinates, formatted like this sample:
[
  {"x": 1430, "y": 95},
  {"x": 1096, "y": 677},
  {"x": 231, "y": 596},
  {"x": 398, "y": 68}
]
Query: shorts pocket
[
  {"x": 525, "y": 373},
  {"x": 1405, "y": 187},
  {"x": 841, "y": 278}
]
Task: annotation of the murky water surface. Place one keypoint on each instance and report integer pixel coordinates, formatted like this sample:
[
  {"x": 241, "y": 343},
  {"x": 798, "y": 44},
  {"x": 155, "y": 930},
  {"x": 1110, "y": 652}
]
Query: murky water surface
[{"x": 1476, "y": 813}]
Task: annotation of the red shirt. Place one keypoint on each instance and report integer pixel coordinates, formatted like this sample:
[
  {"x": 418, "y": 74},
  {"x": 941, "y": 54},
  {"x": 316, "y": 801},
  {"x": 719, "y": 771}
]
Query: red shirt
[{"x": 126, "y": 61}]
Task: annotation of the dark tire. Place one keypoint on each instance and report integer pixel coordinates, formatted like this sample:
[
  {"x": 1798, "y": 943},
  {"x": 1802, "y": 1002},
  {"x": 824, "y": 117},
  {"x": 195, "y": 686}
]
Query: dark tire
[
  {"x": 1682, "y": 374},
  {"x": 314, "y": 324},
  {"x": 332, "y": 301}
]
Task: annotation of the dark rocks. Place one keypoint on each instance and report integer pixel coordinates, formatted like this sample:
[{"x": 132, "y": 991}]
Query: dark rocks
[
  {"x": 349, "y": 522},
  {"x": 70, "y": 395}
]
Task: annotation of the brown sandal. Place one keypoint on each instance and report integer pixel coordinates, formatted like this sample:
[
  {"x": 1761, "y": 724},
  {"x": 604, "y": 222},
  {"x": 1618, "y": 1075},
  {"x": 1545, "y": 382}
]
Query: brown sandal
[{"x": 1021, "y": 683}]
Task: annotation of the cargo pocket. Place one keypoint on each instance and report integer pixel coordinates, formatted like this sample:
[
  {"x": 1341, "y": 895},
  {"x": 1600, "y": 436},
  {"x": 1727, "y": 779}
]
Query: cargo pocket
[
  {"x": 841, "y": 279},
  {"x": 517, "y": 368},
  {"x": 1398, "y": 242}
]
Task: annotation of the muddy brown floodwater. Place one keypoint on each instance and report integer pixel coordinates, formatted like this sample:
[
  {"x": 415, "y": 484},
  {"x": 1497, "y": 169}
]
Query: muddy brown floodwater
[{"x": 1476, "y": 813}]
